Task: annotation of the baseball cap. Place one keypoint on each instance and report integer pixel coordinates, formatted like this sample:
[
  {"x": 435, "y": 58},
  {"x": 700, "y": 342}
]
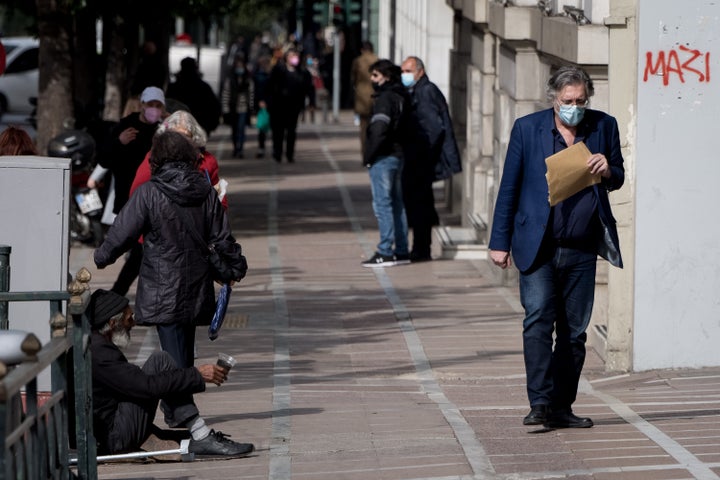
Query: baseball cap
[{"x": 152, "y": 93}]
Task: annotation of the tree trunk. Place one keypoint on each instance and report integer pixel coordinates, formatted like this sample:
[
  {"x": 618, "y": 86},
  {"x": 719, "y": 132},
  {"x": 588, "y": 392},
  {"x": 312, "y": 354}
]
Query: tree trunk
[
  {"x": 55, "y": 70},
  {"x": 113, "y": 46},
  {"x": 86, "y": 69}
]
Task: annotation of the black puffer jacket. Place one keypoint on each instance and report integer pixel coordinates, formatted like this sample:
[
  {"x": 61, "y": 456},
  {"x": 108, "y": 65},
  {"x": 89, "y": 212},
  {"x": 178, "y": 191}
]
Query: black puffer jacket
[
  {"x": 389, "y": 123},
  {"x": 174, "y": 284}
]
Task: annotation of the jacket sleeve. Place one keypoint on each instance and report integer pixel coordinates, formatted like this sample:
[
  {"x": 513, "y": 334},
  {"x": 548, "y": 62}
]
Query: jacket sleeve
[
  {"x": 430, "y": 116},
  {"x": 111, "y": 371},
  {"x": 614, "y": 156},
  {"x": 126, "y": 230},
  {"x": 508, "y": 194},
  {"x": 378, "y": 130}
]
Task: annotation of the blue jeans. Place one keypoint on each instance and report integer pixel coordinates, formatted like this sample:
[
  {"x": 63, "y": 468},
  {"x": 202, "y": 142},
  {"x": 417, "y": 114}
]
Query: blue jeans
[
  {"x": 386, "y": 184},
  {"x": 239, "y": 132},
  {"x": 557, "y": 295}
]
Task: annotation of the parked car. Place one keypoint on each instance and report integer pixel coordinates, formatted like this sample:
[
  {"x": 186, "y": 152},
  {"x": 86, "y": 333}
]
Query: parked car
[{"x": 19, "y": 82}]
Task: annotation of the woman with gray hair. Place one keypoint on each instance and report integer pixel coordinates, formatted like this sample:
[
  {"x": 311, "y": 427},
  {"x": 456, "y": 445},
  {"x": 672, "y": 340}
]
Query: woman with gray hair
[{"x": 184, "y": 123}]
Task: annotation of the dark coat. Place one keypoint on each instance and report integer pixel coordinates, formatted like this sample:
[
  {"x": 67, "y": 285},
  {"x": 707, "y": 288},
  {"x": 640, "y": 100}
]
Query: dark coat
[
  {"x": 116, "y": 380},
  {"x": 124, "y": 160},
  {"x": 388, "y": 129},
  {"x": 522, "y": 209},
  {"x": 286, "y": 91},
  {"x": 437, "y": 145},
  {"x": 174, "y": 285},
  {"x": 199, "y": 97}
]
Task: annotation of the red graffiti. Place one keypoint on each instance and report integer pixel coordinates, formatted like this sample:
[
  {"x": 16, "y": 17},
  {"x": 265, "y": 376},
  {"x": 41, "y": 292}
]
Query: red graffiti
[{"x": 669, "y": 63}]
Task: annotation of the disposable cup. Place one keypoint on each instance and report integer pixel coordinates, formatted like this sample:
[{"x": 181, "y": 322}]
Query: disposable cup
[{"x": 225, "y": 361}]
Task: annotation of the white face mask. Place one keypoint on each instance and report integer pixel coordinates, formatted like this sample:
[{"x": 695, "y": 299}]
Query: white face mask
[{"x": 408, "y": 79}]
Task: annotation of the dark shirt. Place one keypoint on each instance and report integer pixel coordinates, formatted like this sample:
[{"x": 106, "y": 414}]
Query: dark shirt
[{"x": 575, "y": 220}]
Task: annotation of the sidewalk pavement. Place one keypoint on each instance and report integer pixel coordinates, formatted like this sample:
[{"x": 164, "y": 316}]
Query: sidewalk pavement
[{"x": 410, "y": 372}]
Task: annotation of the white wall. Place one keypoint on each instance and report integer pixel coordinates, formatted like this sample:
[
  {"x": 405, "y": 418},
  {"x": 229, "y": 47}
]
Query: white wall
[
  {"x": 423, "y": 29},
  {"x": 677, "y": 257}
]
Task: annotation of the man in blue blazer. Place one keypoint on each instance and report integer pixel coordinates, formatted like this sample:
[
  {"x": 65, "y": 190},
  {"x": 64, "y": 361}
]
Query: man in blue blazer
[{"x": 555, "y": 248}]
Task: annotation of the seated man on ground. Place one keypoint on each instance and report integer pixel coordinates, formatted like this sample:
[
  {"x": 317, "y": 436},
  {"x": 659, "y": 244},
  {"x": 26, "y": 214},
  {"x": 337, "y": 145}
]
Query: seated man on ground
[{"x": 125, "y": 396}]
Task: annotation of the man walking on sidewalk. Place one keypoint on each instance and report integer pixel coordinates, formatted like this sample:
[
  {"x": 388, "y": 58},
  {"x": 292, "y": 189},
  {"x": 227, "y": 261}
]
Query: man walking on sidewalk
[{"x": 556, "y": 248}]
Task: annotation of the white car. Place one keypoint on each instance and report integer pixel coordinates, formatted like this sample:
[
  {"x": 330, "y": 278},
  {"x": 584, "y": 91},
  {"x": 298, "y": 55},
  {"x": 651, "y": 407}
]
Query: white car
[{"x": 19, "y": 82}]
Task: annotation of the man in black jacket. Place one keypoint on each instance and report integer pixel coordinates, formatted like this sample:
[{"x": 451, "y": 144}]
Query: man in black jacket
[
  {"x": 383, "y": 156},
  {"x": 432, "y": 155},
  {"x": 125, "y": 396}
]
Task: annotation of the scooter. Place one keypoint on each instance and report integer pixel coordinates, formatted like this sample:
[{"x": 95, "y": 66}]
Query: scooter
[{"x": 86, "y": 206}]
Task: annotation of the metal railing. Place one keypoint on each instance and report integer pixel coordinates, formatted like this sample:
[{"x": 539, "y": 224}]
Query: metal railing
[{"x": 35, "y": 439}]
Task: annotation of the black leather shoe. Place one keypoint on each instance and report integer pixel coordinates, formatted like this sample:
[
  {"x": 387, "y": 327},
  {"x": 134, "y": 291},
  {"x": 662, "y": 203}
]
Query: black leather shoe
[
  {"x": 566, "y": 419},
  {"x": 538, "y": 415}
]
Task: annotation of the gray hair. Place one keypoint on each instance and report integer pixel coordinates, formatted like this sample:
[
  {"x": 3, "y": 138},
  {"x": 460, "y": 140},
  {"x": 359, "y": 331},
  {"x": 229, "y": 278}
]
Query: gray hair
[
  {"x": 182, "y": 122},
  {"x": 568, "y": 76},
  {"x": 419, "y": 65}
]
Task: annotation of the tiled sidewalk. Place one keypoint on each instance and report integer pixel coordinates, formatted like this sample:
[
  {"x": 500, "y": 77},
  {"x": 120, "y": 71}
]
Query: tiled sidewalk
[{"x": 411, "y": 372}]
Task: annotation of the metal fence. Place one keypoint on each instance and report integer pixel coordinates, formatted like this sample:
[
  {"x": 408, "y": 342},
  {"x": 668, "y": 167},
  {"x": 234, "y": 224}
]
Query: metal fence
[{"x": 37, "y": 434}]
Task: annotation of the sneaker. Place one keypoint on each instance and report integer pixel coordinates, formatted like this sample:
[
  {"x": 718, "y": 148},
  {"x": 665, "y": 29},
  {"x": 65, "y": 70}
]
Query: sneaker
[
  {"x": 217, "y": 443},
  {"x": 402, "y": 259},
  {"x": 378, "y": 260}
]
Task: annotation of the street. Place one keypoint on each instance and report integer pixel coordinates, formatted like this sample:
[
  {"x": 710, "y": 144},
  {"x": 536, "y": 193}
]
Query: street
[{"x": 410, "y": 372}]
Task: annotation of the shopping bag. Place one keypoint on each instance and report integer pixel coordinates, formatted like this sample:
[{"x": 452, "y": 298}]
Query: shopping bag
[
  {"x": 220, "y": 310},
  {"x": 263, "y": 120}
]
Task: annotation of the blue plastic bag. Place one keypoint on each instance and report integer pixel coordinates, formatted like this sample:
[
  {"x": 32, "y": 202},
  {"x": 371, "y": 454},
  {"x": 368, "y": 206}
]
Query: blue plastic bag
[{"x": 220, "y": 310}]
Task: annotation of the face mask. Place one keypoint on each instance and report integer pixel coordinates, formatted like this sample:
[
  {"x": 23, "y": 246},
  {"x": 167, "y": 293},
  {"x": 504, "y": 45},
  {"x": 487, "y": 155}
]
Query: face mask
[
  {"x": 376, "y": 86},
  {"x": 152, "y": 114},
  {"x": 571, "y": 115},
  {"x": 408, "y": 79},
  {"x": 294, "y": 61}
]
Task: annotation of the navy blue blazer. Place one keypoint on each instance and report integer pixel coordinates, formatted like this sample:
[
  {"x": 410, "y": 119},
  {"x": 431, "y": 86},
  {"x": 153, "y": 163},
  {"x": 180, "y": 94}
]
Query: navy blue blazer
[{"x": 522, "y": 209}]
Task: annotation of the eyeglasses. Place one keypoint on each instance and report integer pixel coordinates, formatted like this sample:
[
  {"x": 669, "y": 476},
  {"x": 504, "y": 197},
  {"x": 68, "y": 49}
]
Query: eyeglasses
[{"x": 580, "y": 102}]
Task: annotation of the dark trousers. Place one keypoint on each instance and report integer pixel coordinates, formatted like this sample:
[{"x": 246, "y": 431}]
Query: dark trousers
[
  {"x": 283, "y": 125},
  {"x": 130, "y": 270},
  {"x": 133, "y": 420},
  {"x": 558, "y": 295},
  {"x": 419, "y": 200}
]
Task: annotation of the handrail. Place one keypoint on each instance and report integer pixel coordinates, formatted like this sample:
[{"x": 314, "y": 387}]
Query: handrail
[{"x": 23, "y": 373}]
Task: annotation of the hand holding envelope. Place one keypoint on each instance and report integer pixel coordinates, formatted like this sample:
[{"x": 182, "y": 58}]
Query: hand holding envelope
[{"x": 568, "y": 173}]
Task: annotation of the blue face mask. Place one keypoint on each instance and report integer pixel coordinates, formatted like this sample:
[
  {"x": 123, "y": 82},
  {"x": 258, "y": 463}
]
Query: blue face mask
[
  {"x": 571, "y": 115},
  {"x": 408, "y": 79}
]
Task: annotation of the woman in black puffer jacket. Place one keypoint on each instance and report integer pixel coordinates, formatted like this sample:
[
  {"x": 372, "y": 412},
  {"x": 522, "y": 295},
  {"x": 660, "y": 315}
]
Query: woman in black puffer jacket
[{"x": 175, "y": 290}]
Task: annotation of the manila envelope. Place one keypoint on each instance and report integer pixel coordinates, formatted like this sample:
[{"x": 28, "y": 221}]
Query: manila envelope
[{"x": 567, "y": 173}]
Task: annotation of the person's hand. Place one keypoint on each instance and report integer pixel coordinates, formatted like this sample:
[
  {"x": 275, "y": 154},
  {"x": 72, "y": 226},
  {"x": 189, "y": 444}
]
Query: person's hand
[
  {"x": 500, "y": 258},
  {"x": 212, "y": 373},
  {"x": 128, "y": 135},
  {"x": 91, "y": 183},
  {"x": 599, "y": 164}
]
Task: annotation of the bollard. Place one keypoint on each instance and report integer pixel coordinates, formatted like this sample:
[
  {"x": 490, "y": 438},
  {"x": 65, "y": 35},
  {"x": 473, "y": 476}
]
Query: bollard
[{"x": 4, "y": 283}]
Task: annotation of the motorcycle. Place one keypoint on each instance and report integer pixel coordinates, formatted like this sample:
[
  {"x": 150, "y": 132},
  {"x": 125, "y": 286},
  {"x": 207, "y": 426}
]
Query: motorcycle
[{"x": 86, "y": 206}]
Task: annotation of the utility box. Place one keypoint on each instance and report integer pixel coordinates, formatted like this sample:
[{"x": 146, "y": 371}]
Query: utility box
[{"x": 34, "y": 222}]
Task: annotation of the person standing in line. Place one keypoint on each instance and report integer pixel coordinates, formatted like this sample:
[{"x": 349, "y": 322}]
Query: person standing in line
[
  {"x": 129, "y": 141},
  {"x": 125, "y": 396},
  {"x": 360, "y": 78},
  {"x": 237, "y": 99},
  {"x": 555, "y": 248},
  {"x": 175, "y": 288},
  {"x": 432, "y": 155},
  {"x": 289, "y": 85},
  {"x": 386, "y": 135}
]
